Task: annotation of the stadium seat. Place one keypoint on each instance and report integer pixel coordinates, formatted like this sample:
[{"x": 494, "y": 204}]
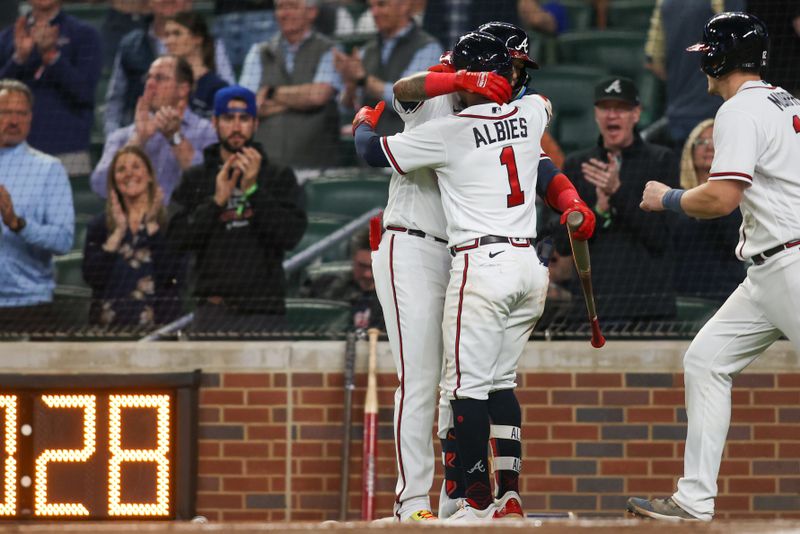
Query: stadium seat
[
  {"x": 571, "y": 90},
  {"x": 630, "y": 14},
  {"x": 319, "y": 227},
  {"x": 68, "y": 270},
  {"x": 349, "y": 197},
  {"x": 653, "y": 97},
  {"x": 695, "y": 309},
  {"x": 81, "y": 221},
  {"x": 317, "y": 316},
  {"x": 621, "y": 52},
  {"x": 579, "y": 13},
  {"x": 337, "y": 268}
]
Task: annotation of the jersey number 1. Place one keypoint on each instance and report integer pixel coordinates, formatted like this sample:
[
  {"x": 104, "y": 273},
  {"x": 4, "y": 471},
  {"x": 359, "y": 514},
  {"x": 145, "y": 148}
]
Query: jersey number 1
[{"x": 517, "y": 195}]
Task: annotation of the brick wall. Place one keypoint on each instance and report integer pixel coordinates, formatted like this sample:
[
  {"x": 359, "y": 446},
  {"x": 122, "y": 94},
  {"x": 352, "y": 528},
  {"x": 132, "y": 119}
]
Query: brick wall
[
  {"x": 590, "y": 440},
  {"x": 599, "y": 426}
]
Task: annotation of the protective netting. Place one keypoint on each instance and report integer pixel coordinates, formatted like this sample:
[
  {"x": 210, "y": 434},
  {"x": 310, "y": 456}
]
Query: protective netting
[{"x": 98, "y": 243}]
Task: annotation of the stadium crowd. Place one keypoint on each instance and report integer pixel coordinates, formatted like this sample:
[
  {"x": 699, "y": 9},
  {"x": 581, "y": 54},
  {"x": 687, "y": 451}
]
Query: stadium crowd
[{"x": 167, "y": 144}]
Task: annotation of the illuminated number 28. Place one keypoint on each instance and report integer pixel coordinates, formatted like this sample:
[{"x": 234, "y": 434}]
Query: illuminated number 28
[{"x": 118, "y": 455}]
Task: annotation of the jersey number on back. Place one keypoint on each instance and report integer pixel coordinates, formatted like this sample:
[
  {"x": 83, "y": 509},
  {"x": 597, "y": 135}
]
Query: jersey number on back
[
  {"x": 796, "y": 123},
  {"x": 517, "y": 195}
]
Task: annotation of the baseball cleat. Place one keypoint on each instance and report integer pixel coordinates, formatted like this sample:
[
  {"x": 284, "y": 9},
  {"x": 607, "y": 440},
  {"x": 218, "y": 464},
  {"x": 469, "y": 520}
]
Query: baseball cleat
[
  {"x": 509, "y": 506},
  {"x": 421, "y": 515},
  {"x": 468, "y": 514},
  {"x": 662, "y": 509},
  {"x": 448, "y": 506}
]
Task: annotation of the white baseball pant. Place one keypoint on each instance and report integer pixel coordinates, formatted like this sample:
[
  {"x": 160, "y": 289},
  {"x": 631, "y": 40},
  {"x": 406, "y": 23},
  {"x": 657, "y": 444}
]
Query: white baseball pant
[
  {"x": 763, "y": 307},
  {"x": 495, "y": 296},
  {"x": 411, "y": 275}
]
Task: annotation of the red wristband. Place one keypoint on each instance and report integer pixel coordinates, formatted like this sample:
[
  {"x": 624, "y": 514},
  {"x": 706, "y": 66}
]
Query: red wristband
[
  {"x": 561, "y": 194},
  {"x": 440, "y": 83}
]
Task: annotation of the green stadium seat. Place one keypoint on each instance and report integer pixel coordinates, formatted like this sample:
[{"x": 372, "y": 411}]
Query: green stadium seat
[
  {"x": 319, "y": 227},
  {"x": 580, "y": 14},
  {"x": 653, "y": 97},
  {"x": 336, "y": 268},
  {"x": 81, "y": 221},
  {"x": 68, "y": 270},
  {"x": 317, "y": 316},
  {"x": 621, "y": 52},
  {"x": 349, "y": 197},
  {"x": 695, "y": 309},
  {"x": 571, "y": 90},
  {"x": 630, "y": 14},
  {"x": 87, "y": 203}
]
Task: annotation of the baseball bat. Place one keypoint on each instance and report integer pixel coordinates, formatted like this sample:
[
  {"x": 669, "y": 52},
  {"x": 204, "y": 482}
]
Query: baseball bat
[
  {"x": 370, "y": 431},
  {"x": 349, "y": 386},
  {"x": 580, "y": 254}
]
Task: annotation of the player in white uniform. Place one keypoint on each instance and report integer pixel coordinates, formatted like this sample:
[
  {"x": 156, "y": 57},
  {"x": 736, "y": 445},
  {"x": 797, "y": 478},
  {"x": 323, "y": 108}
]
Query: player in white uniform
[
  {"x": 411, "y": 267},
  {"x": 486, "y": 159},
  {"x": 757, "y": 168}
]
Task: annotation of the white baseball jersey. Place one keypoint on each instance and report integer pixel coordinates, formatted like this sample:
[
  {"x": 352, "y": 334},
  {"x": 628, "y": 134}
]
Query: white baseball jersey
[
  {"x": 757, "y": 140},
  {"x": 414, "y": 199},
  {"x": 486, "y": 158}
]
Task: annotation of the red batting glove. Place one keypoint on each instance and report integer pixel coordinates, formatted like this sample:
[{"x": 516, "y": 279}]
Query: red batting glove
[
  {"x": 586, "y": 229},
  {"x": 488, "y": 84},
  {"x": 368, "y": 115},
  {"x": 441, "y": 67},
  {"x": 445, "y": 63}
]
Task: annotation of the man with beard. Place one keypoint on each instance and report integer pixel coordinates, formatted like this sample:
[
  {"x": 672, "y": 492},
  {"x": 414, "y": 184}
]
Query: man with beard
[{"x": 238, "y": 213}]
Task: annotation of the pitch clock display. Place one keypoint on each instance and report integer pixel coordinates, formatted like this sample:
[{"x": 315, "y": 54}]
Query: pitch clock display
[{"x": 98, "y": 446}]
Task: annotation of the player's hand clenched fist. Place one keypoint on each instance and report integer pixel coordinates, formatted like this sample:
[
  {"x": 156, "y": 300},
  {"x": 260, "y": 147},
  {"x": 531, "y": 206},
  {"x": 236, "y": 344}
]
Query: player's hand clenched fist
[
  {"x": 586, "y": 229},
  {"x": 653, "y": 196},
  {"x": 368, "y": 115},
  {"x": 488, "y": 84}
]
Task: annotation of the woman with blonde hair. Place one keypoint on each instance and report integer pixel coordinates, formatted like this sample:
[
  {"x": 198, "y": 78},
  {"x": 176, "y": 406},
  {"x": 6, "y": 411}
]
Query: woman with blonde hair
[
  {"x": 705, "y": 265},
  {"x": 134, "y": 278}
]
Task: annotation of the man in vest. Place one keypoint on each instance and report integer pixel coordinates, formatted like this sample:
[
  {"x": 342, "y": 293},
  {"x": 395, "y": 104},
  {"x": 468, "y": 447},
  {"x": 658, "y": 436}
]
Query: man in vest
[
  {"x": 296, "y": 85},
  {"x": 400, "y": 49}
]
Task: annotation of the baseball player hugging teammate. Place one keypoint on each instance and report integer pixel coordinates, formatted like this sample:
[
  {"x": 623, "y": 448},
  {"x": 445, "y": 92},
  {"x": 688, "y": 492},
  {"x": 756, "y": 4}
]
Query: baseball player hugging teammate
[
  {"x": 487, "y": 162},
  {"x": 756, "y": 167}
]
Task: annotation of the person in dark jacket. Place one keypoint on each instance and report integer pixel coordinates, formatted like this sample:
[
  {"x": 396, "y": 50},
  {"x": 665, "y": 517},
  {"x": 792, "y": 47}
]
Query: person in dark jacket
[
  {"x": 238, "y": 213},
  {"x": 135, "y": 279},
  {"x": 59, "y": 57},
  {"x": 631, "y": 250}
]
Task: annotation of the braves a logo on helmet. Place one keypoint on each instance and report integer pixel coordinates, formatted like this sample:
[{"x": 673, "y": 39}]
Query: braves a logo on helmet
[
  {"x": 614, "y": 87},
  {"x": 521, "y": 47}
]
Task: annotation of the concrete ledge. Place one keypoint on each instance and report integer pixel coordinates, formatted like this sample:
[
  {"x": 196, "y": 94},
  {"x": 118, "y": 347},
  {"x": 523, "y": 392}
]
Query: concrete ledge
[{"x": 327, "y": 356}]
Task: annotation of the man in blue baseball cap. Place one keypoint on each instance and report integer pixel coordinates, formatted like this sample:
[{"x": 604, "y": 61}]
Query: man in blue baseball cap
[{"x": 238, "y": 213}]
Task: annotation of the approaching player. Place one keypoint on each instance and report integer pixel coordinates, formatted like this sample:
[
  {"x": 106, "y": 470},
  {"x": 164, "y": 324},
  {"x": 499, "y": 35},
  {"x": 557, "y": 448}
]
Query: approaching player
[
  {"x": 755, "y": 167},
  {"x": 411, "y": 267},
  {"x": 486, "y": 159}
]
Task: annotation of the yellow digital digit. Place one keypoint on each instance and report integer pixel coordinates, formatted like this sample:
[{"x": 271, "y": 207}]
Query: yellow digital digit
[
  {"x": 158, "y": 456},
  {"x": 88, "y": 403},
  {"x": 9, "y": 505}
]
